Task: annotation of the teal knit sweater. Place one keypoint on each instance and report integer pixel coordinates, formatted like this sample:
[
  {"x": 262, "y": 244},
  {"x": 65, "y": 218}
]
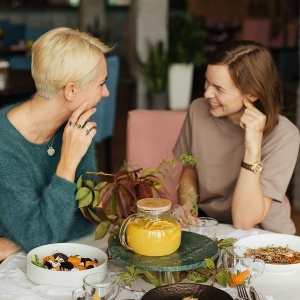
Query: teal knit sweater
[{"x": 36, "y": 206}]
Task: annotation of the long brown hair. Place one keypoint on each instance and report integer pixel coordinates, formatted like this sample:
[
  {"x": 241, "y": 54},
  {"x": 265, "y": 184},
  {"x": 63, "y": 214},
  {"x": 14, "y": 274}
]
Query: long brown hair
[{"x": 253, "y": 70}]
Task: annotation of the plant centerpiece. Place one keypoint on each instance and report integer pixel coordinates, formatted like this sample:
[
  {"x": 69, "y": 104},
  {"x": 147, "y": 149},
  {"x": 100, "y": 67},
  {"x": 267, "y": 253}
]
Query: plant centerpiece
[
  {"x": 155, "y": 72},
  {"x": 186, "y": 51},
  {"x": 107, "y": 202},
  {"x": 108, "y": 199}
]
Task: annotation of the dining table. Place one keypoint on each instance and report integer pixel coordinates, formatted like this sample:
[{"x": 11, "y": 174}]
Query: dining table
[{"x": 276, "y": 286}]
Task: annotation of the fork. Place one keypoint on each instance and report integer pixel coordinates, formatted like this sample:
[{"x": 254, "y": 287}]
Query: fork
[{"x": 242, "y": 292}]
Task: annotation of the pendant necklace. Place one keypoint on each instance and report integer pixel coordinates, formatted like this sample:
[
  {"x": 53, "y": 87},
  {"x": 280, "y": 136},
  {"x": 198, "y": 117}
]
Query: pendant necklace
[{"x": 50, "y": 150}]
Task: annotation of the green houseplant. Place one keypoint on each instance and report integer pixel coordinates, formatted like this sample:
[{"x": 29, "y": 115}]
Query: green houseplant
[
  {"x": 186, "y": 51},
  {"x": 186, "y": 42},
  {"x": 155, "y": 71}
]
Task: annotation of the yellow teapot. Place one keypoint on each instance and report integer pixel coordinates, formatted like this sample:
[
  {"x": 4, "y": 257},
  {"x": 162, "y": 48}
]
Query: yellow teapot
[{"x": 154, "y": 230}]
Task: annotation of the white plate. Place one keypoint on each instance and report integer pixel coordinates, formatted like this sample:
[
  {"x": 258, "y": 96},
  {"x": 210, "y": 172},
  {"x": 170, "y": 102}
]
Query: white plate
[
  {"x": 273, "y": 239},
  {"x": 39, "y": 275}
]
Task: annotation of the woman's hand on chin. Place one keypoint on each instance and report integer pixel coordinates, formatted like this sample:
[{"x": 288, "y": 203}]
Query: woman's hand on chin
[{"x": 7, "y": 248}]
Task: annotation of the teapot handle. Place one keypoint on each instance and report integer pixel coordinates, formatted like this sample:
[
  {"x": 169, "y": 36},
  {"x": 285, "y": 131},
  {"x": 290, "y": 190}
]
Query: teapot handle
[
  {"x": 176, "y": 212},
  {"x": 122, "y": 232}
]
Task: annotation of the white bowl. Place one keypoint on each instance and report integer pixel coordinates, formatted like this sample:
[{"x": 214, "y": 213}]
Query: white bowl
[
  {"x": 74, "y": 278},
  {"x": 273, "y": 239}
]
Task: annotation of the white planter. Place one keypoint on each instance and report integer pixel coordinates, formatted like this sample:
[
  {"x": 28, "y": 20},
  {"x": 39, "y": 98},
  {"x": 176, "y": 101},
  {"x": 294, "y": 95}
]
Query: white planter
[{"x": 180, "y": 83}]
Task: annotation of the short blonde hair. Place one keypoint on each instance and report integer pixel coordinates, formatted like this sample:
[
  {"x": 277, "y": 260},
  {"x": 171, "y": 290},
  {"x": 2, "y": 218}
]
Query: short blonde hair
[{"x": 62, "y": 55}]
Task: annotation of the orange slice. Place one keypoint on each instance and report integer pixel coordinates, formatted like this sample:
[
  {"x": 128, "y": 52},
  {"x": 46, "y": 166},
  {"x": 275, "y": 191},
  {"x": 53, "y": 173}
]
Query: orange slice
[
  {"x": 156, "y": 225},
  {"x": 238, "y": 278}
]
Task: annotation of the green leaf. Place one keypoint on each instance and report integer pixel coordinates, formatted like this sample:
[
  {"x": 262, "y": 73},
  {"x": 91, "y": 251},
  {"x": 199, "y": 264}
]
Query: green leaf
[
  {"x": 82, "y": 192},
  {"x": 226, "y": 242},
  {"x": 222, "y": 278},
  {"x": 86, "y": 200},
  {"x": 102, "y": 230},
  {"x": 79, "y": 182},
  {"x": 95, "y": 199},
  {"x": 89, "y": 183},
  {"x": 188, "y": 160},
  {"x": 209, "y": 263},
  {"x": 149, "y": 276},
  {"x": 94, "y": 216},
  {"x": 100, "y": 185},
  {"x": 149, "y": 171},
  {"x": 126, "y": 278},
  {"x": 197, "y": 277}
]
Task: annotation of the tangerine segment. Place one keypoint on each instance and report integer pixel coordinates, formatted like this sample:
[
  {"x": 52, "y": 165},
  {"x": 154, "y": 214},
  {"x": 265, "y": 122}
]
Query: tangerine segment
[{"x": 239, "y": 278}]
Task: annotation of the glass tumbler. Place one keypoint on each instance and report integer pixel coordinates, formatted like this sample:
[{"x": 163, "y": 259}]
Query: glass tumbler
[{"x": 204, "y": 226}]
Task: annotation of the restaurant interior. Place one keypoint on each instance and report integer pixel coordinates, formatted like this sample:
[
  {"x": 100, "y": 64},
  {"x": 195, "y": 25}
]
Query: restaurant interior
[{"x": 274, "y": 23}]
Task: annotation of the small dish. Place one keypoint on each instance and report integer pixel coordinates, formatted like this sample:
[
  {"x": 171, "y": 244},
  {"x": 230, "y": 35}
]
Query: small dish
[
  {"x": 73, "y": 278},
  {"x": 273, "y": 239}
]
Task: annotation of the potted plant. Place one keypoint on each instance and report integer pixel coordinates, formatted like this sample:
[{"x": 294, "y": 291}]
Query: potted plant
[
  {"x": 107, "y": 199},
  {"x": 186, "y": 51},
  {"x": 155, "y": 72}
]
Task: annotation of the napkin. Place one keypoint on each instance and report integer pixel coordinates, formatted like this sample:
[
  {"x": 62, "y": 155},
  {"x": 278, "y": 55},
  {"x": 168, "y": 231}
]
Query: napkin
[
  {"x": 238, "y": 234},
  {"x": 14, "y": 284}
]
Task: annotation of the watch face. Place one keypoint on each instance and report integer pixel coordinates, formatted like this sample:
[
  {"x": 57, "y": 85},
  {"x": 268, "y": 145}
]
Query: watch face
[{"x": 258, "y": 168}]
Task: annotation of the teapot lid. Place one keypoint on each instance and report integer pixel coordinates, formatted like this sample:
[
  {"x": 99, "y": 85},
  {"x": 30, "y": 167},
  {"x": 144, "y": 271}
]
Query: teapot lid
[{"x": 154, "y": 204}]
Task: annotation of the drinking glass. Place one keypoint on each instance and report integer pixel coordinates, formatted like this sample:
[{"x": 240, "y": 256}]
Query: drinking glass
[
  {"x": 204, "y": 226},
  {"x": 96, "y": 286},
  {"x": 241, "y": 265}
]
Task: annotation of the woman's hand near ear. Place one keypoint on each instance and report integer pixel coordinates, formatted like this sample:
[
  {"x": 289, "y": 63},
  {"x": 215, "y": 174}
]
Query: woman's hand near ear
[
  {"x": 253, "y": 122},
  {"x": 77, "y": 138}
]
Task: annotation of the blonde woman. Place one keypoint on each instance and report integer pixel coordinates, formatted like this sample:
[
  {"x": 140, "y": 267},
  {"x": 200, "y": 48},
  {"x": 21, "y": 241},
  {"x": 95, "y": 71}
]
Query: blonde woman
[{"x": 46, "y": 142}]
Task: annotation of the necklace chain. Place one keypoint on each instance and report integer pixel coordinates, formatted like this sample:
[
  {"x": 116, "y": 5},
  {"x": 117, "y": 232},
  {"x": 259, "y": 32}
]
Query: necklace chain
[{"x": 50, "y": 150}]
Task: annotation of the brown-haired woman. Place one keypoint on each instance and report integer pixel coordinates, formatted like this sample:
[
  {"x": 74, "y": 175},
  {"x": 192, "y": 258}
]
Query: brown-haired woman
[{"x": 246, "y": 149}]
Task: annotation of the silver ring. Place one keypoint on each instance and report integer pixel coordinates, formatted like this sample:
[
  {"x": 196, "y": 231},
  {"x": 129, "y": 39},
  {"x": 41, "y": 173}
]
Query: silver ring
[
  {"x": 71, "y": 123},
  {"x": 90, "y": 134},
  {"x": 79, "y": 126},
  {"x": 87, "y": 129}
]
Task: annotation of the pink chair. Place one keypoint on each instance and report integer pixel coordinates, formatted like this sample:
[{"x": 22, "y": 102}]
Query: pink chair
[{"x": 151, "y": 136}]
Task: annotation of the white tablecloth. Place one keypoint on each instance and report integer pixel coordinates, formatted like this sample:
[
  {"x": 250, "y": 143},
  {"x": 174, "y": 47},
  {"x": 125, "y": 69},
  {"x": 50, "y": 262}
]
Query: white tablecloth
[{"x": 282, "y": 286}]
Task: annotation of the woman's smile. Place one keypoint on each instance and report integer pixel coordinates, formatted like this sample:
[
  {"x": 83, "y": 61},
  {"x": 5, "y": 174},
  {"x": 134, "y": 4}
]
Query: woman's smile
[{"x": 214, "y": 105}]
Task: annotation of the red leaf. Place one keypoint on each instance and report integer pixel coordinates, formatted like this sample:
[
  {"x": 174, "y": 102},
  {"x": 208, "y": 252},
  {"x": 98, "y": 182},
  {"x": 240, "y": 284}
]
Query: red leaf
[{"x": 123, "y": 200}]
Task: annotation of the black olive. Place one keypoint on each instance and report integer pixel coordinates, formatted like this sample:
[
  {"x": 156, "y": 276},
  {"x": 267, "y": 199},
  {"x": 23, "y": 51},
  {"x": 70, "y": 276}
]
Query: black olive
[
  {"x": 48, "y": 265},
  {"x": 61, "y": 255},
  {"x": 84, "y": 259},
  {"x": 66, "y": 265}
]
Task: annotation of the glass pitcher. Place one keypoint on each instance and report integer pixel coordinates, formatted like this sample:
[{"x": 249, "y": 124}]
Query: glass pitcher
[{"x": 154, "y": 230}]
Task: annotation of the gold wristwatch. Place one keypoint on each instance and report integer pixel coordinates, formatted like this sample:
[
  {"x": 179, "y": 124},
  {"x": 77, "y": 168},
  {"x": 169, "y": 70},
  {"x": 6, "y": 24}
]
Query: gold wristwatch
[{"x": 256, "y": 167}]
